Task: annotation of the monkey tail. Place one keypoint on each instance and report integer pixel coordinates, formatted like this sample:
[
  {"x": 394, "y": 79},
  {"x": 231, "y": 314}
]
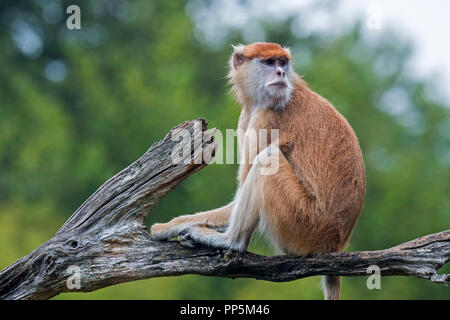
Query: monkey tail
[{"x": 331, "y": 286}]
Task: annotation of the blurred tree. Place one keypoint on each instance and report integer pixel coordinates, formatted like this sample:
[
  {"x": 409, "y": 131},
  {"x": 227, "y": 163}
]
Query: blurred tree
[{"x": 76, "y": 106}]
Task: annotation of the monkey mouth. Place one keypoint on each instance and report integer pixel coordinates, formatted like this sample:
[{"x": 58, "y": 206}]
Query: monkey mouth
[{"x": 278, "y": 83}]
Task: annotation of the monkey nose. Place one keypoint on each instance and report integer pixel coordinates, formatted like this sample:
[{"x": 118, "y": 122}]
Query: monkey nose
[{"x": 280, "y": 72}]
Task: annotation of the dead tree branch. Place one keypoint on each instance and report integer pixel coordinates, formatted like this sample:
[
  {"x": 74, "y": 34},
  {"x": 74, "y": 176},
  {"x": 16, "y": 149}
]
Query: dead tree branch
[{"x": 107, "y": 238}]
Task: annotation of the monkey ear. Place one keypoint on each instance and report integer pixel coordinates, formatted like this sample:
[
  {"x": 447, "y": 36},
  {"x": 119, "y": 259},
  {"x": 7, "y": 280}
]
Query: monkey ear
[
  {"x": 238, "y": 55},
  {"x": 238, "y": 59},
  {"x": 288, "y": 50}
]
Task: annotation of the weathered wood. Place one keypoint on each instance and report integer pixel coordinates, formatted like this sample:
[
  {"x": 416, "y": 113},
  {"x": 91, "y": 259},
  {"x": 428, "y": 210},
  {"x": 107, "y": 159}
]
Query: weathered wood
[{"x": 107, "y": 238}]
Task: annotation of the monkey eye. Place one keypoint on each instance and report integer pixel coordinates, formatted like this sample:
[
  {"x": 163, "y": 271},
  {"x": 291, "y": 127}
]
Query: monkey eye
[
  {"x": 269, "y": 62},
  {"x": 283, "y": 62}
]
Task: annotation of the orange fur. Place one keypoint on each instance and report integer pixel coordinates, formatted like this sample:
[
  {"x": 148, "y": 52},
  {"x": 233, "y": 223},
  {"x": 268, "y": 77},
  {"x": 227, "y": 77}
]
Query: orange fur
[{"x": 265, "y": 50}]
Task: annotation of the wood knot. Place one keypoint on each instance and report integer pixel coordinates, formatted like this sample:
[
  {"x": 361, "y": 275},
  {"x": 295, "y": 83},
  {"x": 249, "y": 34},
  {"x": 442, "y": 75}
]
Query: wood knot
[{"x": 72, "y": 244}]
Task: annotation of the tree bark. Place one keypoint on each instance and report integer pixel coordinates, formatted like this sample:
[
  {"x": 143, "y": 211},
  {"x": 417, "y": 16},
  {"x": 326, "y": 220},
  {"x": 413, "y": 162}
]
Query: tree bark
[{"x": 107, "y": 241}]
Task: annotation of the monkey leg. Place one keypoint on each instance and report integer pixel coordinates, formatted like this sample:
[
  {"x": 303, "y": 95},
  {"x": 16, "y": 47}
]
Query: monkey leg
[
  {"x": 248, "y": 206},
  {"x": 217, "y": 218}
]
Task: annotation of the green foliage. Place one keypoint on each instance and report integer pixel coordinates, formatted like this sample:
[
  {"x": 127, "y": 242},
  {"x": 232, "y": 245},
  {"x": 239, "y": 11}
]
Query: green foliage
[{"x": 129, "y": 78}]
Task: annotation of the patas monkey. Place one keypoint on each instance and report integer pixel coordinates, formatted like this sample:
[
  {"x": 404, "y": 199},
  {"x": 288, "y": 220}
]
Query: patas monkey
[{"x": 311, "y": 203}]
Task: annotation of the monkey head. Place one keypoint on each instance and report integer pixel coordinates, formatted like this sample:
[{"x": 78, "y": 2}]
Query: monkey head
[{"x": 261, "y": 75}]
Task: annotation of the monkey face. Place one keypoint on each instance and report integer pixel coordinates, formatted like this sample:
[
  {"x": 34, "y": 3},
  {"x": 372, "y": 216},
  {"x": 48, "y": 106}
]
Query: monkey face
[
  {"x": 262, "y": 75},
  {"x": 269, "y": 82},
  {"x": 275, "y": 71}
]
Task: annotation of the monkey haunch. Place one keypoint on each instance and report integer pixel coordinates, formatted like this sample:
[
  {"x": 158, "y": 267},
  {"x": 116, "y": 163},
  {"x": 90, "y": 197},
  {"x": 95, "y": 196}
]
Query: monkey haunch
[{"x": 311, "y": 203}]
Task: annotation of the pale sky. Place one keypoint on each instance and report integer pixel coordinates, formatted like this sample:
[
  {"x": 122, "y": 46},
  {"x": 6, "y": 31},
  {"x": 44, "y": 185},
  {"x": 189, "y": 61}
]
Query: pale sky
[{"x": 427, "y": 23}]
